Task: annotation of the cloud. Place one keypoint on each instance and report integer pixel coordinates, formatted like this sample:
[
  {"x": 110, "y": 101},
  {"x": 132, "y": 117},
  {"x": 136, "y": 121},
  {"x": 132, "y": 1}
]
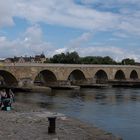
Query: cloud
[
  {"x": 111, "y": 3},
  {"x": 6, "y": 13},
  {"x": 113, "y": 51},
  {"x": 65, "y": 13},
  {"x": 98, "y": 49},
  {"x": 120, "y": 35},
  {"x": 79, "y": 41},
  {"x": 120, "y": 17},
  {"x": 69, "y": 13},
  {"x": 30, "y": 43},
  {"x": 58, "y": 51},
  {"x": 75, "y": 44}
]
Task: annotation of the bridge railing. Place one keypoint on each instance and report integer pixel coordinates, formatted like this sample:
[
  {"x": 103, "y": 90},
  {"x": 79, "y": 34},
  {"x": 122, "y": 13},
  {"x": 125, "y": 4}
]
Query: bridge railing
[{"x": 66, "y": 65}]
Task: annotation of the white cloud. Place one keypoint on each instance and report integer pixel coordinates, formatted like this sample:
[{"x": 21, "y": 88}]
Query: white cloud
[
  {"x": 68, "y": 13},
  {"x": 98, "y": 49},
  {"x": 112, "y": 3},
  {"x": 74, "y": 44},
  {"x": 30, "y": 43},
  {"x": 113, "y": 51},
  {"x": 58, "y": 51},
  {"x": 79, "y": 41},
  {"x": 120, "y": 35},
  {"x": 6, "y": 13}
]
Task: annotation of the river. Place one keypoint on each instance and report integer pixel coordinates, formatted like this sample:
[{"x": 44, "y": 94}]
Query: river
[{"x": 116, "y": 110}]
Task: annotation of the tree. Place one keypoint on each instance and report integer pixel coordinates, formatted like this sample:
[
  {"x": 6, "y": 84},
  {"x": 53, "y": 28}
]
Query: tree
[
  {"x": 58, "y": 58},
  {"x": 108, "y": 60},
  {"x": 72, "y": 58},
  {"x": 128, "y": 61},
  {"x": 97, "y": 60},
  {"x": 68, "y": 58}
]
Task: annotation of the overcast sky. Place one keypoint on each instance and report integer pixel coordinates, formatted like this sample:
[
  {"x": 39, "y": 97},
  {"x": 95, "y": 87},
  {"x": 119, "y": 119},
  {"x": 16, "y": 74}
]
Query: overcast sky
[{"x": 90, "y": 27}]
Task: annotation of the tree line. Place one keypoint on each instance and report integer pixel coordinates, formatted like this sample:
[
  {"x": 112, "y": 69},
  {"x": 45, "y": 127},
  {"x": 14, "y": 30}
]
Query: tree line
[{"x": 74, "y": 58}]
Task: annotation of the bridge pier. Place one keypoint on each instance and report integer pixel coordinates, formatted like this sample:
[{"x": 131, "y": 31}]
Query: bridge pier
[
  {"x": 64, "y": 83},
  {"x": 25, "y": 82},
  {"x": 60, "y": 83}
]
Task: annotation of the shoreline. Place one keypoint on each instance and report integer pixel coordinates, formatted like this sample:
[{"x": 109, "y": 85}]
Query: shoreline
[{"x": 31, "y": 122}]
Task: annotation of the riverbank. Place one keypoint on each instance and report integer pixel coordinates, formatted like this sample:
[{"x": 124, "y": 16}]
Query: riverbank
[{"x": 27, "y": 122}]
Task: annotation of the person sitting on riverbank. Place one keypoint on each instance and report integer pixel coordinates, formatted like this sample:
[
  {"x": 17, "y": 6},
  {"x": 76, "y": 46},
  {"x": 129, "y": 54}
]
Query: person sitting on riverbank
[
  {"x": 3, "y": 96},
  {"x": 7, "y": 97}
]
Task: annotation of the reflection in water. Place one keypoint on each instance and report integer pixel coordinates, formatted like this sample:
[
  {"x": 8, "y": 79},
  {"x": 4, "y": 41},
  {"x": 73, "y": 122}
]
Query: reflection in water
[
  {"x": 119, "y": 97},
  {"x": 133, "y": 97},
  {"x": 113, "y": 109},
  {"x": 100, "y": 96}
]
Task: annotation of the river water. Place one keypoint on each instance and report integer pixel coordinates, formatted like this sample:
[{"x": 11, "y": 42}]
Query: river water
[{"x": 116, "y": 110}]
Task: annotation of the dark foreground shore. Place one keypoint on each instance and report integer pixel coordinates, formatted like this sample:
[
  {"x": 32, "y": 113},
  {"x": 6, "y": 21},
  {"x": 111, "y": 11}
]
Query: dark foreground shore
[{"x": 26, "y": 122}]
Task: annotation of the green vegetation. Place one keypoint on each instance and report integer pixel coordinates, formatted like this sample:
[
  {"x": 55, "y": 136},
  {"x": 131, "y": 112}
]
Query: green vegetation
[
  {"x": 97, "y": 60},
  {"x": 128, "y": 61},
  {"x": 68, "y": 58},
  {"x": 74, "y": 58}
]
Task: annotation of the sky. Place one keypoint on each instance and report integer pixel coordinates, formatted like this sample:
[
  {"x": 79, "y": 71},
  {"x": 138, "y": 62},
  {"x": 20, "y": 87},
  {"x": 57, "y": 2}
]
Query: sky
[{"x": 90, "y": 27}]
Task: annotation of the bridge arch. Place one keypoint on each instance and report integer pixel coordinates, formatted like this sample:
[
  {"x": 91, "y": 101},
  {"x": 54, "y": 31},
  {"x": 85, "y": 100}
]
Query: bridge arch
[
  {"x": 45, "y": 78},
  {"x": 7, "y": 78},
  {"x": 76, "y": 76},
  {"x": 101, "y": 76},
  {"x": 120, "y": 75},
  {"x": 134, "y": 75}
]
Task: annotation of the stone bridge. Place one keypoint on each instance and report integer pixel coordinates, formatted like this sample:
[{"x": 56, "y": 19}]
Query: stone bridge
[{"x": 65, "y": 74}]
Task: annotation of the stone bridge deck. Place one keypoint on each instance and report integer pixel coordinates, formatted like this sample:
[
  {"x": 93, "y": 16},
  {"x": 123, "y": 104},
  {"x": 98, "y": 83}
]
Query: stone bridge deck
[{"x": 30, "y": 73}]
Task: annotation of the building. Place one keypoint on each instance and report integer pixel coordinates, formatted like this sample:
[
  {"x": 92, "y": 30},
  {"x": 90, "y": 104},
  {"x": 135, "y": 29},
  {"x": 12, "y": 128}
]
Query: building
[
  {"x": 37, "y": 59},
  {"x": 40, "y": 58}
]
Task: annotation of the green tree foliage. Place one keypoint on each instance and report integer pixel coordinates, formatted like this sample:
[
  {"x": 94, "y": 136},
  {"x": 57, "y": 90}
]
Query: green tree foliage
[
  {"x": 73, "y": 58},
  {"x": 58, "y": 58},
  {"x": 108, "y": 60},
  {"x": 97, "y": 60},
  {"x": 68, "y": 58},
  {"x": 128, "y": 61}
]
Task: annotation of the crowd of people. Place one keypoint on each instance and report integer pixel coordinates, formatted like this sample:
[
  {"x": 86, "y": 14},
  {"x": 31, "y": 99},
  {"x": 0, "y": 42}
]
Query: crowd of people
[{"x": 6, "y": 99}]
